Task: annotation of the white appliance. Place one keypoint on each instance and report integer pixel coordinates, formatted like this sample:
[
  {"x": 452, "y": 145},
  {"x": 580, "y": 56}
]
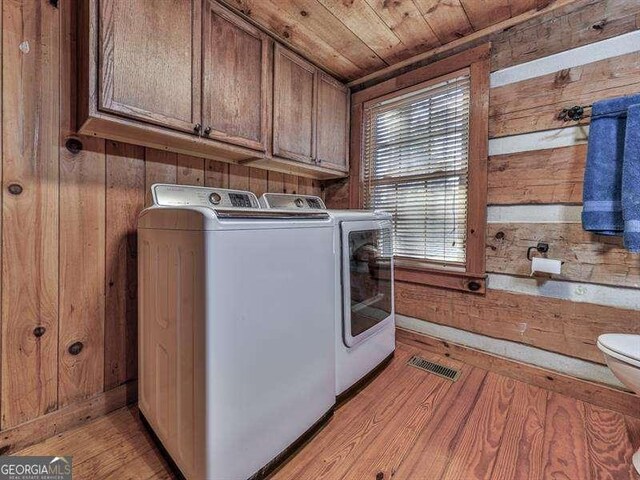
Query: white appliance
[
  {"x": 236, "y": 357},
  {"x": 364, "y": 309}
]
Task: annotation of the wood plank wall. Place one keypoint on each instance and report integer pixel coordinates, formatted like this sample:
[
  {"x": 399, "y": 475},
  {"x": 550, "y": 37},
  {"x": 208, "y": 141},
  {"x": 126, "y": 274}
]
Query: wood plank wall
[
  {"x": 537, "y": 172},
  {"x": 68, "y": 237}
]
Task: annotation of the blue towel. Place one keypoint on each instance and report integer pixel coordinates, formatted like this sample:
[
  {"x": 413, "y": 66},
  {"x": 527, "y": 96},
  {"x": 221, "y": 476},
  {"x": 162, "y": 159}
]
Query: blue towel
[
  {"x": 602, "y": 197},
  {"x": 631, "y": 181}
]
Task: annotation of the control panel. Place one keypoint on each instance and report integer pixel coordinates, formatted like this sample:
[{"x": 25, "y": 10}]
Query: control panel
[
  {"x": 291, "y": 201},
  {"x": 183, "y": 195}
]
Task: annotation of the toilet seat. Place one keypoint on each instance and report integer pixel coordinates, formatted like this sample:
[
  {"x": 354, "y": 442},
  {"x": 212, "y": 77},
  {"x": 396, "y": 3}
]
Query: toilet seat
[{"x": 624, "y": 347}]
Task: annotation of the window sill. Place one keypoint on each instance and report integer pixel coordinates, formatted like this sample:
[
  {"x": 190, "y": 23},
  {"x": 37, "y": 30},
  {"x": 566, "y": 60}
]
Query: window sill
[{"x": 452, "y": 280}]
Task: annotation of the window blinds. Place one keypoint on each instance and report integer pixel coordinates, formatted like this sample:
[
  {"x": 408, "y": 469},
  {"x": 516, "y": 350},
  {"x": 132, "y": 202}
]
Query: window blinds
[{"x": 415, "y": 166}]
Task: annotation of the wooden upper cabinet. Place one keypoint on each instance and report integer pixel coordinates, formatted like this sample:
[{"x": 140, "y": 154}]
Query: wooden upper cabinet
[
  {"x": 237, "y": 72},
  {"x": 191, "y": 76},
  {"x": 332, "y": 123},
  {"x": 149, "y": 61},
  {"x": 293, "y": 106}
]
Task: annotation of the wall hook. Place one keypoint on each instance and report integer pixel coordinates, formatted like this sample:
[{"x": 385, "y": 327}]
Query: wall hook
[
  {"x": 574, "y": 113},
  {"x": 540, "y": 247}
]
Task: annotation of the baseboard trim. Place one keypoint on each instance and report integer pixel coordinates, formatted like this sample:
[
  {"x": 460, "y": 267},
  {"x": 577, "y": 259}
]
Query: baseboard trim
[
  {"x": 590, "y": 392},
  {"x": 65, "y": 418}
]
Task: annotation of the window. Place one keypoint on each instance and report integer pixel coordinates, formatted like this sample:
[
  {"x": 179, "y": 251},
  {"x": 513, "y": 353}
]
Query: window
[
  {"x": 415, "y": 166},
  {"x": 419, "y": 150}
]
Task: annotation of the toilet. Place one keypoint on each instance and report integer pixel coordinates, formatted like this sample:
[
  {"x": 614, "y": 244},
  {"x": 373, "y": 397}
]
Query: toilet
[{"x": 622, "y": 353}]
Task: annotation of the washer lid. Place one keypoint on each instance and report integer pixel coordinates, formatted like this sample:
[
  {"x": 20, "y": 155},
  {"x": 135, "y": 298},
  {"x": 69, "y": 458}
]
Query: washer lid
[
  {"x": 291, "y": 201},
  {"x": 625, "y": 344}
]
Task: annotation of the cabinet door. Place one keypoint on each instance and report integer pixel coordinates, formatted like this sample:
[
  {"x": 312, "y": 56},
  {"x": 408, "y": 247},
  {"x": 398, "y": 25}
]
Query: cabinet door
[
  {"x": 293, "y": 109},
  {"x": 149, "y": 61},
  {"x": 332, "y": 123},
  {"x": 236, "y": 79}
]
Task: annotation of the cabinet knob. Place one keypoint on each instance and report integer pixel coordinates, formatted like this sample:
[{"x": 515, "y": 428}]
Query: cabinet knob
[
  {"x": 207, "y": 131},
  {"x": 197, "y": 127}
]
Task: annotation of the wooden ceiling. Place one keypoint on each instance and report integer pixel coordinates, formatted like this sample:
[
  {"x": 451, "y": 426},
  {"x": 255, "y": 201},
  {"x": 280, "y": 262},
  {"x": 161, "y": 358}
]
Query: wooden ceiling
[{"x": 353, "y": 38}]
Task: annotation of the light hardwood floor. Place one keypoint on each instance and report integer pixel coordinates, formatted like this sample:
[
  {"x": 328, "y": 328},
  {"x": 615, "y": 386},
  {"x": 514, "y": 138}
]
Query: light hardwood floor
[{"x": 407, "y": 424}]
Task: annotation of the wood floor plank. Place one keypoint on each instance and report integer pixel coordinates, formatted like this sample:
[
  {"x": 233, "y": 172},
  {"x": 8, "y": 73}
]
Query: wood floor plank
[
  {"x": 345, "y": 413},
  {"x": 77, "y": 442},
  {"x": 475, "y": 453},
  {"x": 565, "y": 443},
  {"x": 430, "y": 454},
  {"x": 610, "y": 449},
  {"x": 387, "y": 451},
  {"x": 114, "y": 446},
  {"x": 351, "y": 440},
  {"x": 520, "y": 453}
]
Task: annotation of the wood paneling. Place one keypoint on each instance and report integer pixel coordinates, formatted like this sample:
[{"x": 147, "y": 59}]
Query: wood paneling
[
  {"x": 238, "y": 177},
  {"x": 554, "y": 175},
  {"x": 481, "y": 17},
  {"x": 448, "y": 20},
  {"x": 30, "y": 256},
  {"x": 236, "y": 79},
  {"x": 423, "y": 74},
  {"x": 570, "y": 328},
  {"x": 587, "y": 257},
  {"x": 355, "y": 39},
  {"x": 363, "y": 20},
  {"x": 69, "y": 237},
  {"x": 125, "y": 199},
  {"x": 408, "y": 24},
  {"x": 525, "y": 14},
  {"x": 82, "y": 271},
  {"x": 289, "y": 184},
  {"x": 572, "y": 25},
  {"x": 275, "y": 182},
  {"x": 160, "y": 167},
  {"x": 82, "y": 242},
  {"x": 309, "y": 36},
  {"x": 216, "y": 174},
  {"x": 258, "y": 181},
  {"x": 190, "y": 170},
  {"x": 595, "y": 393},
  {"x": 533, "y": 105},
  {"x": 166, "y": 59}
]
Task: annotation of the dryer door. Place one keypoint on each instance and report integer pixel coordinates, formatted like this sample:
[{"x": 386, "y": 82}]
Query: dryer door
[{"x": 367, "y": 278}]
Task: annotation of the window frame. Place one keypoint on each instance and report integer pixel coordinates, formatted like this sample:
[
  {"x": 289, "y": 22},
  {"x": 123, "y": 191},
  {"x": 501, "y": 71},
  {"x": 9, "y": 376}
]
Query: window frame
[{"x": 475, "y": 62}]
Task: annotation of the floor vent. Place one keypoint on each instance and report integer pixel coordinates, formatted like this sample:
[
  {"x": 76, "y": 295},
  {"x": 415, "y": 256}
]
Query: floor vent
[{"x": 435, "y": 368}]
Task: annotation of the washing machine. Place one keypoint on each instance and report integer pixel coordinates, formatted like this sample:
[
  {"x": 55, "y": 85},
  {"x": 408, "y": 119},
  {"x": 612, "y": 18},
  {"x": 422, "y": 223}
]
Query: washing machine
[
  {"x": 236, "y": 357},
  {"x": 364, "y": 309}
]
